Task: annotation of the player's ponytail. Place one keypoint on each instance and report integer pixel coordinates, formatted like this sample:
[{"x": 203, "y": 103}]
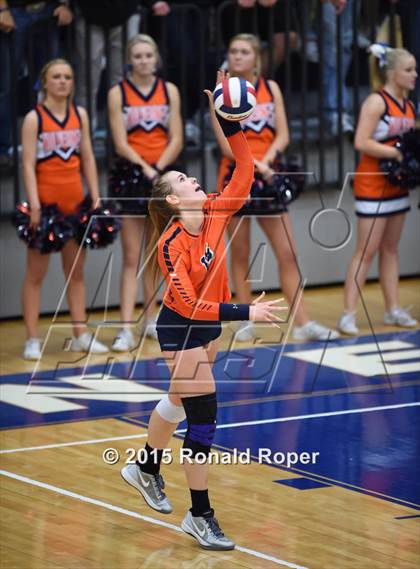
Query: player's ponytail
[
  {"x": 383, "y": 59},
  {"x": 160, "y": 215}
]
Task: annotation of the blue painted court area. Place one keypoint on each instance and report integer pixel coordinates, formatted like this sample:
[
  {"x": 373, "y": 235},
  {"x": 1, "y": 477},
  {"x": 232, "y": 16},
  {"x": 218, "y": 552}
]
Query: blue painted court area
[{"x": 286, "y": 399}]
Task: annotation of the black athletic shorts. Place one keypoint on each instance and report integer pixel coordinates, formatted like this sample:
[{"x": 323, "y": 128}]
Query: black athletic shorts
[{"x": 177, "y": 333}]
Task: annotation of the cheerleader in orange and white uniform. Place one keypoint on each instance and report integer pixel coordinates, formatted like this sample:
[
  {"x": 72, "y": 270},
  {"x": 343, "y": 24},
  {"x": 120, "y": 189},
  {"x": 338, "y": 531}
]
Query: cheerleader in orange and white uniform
[
  {"x": 380, "y": 206},
  {"x": 267, "y": 134},
  {"x": 56, "y": 146},
  {"x": 145, "y": 119}
]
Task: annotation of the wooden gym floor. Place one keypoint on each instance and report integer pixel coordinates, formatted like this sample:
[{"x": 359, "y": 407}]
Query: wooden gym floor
[{"x": 354, "y": 402}]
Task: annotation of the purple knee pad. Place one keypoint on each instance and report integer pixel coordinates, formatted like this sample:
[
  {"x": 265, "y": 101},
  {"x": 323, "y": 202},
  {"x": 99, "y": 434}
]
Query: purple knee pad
[{"x": 201, "y": 412}]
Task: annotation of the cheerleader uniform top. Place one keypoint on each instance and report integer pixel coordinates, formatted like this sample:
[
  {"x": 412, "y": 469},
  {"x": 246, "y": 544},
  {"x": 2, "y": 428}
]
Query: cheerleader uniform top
[
  {"x": 374, "y": 194},
  {"x": 57, "y": 170},
  {"x": 259, "y": 128},
  {"x": 194, "y": 266},
  {"x": 146, "y": 118}
]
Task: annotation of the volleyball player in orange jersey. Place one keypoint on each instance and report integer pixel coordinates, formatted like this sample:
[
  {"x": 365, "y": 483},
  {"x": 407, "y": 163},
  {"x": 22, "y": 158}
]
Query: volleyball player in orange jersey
[
  {"x": 56, "y": 148},
  {"x": 268, "y": 135},
  {"x": 189, "y": 232},
  {"x": 144, "y": 114},
  {"x": 380, "y": 206}
]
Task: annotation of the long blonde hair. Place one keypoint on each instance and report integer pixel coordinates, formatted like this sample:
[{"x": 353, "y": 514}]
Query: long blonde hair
[
  {"x": 44, "y": 73},
  {"x": 255, "y": 43},
  {"x": 383, "y": 61},
  {"x": 143, "y": 38},
  {"x": 161, "y": 214}
]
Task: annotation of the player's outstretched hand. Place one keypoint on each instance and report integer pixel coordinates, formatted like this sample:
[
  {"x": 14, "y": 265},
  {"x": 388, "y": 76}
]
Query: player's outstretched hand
[
  {"x": 267, "y": 311},
  {"x": 221, "y": 75}
]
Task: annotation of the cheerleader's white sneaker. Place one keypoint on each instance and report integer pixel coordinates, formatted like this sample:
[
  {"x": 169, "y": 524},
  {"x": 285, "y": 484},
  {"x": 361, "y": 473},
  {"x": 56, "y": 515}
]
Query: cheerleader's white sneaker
[
  {"x": 87, "y": 343},
  {"x": 124, "y": 342},
  {"x": 400, "y": 317},
  {"x": 313, "y": 330},
  {"x": 347, "y": 324},
  {"x": 32, "y": 349},
  {"x": 149, "y": 329},
  {"x": 245, "y": 332}
]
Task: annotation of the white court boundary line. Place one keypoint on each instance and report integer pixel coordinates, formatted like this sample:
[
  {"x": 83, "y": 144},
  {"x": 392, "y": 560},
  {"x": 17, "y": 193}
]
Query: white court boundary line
[
  {"x": 147, "y": 519},
  {"x": 226, "y": 426}
]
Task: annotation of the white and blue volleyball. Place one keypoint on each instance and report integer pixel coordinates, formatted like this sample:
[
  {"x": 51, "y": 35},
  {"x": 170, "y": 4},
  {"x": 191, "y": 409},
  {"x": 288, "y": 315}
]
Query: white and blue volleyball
[{"x": 234, "y": 99}]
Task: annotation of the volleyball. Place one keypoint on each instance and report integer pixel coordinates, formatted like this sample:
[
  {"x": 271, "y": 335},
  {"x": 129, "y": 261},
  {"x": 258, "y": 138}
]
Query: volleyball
[{"x": 234, "y": 99}]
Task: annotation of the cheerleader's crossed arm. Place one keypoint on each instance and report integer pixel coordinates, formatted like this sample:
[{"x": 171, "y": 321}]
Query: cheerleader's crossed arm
[
  {"x": 29, "y": 142},
  {"x": 87, "y": 158}
]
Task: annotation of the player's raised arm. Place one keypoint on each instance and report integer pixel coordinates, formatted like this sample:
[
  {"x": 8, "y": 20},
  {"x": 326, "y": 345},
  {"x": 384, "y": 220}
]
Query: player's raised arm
[{"x": 236, "y": 192}]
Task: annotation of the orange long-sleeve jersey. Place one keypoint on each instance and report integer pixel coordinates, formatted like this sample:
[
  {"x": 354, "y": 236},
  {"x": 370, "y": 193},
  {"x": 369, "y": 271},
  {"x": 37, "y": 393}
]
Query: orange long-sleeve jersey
[
  {"x": 259, "y": 128},
  {"x": 195, "y": 266}
]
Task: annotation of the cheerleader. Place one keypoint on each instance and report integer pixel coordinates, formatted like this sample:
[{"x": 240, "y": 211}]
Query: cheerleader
[
  {"x": 191, "y": 255},
  {"x": 56, "y": 147},
  {"x": 145, "y": 119},
  {"x": 268, "y": 136},
  {"x": 380, "y": 206}
]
